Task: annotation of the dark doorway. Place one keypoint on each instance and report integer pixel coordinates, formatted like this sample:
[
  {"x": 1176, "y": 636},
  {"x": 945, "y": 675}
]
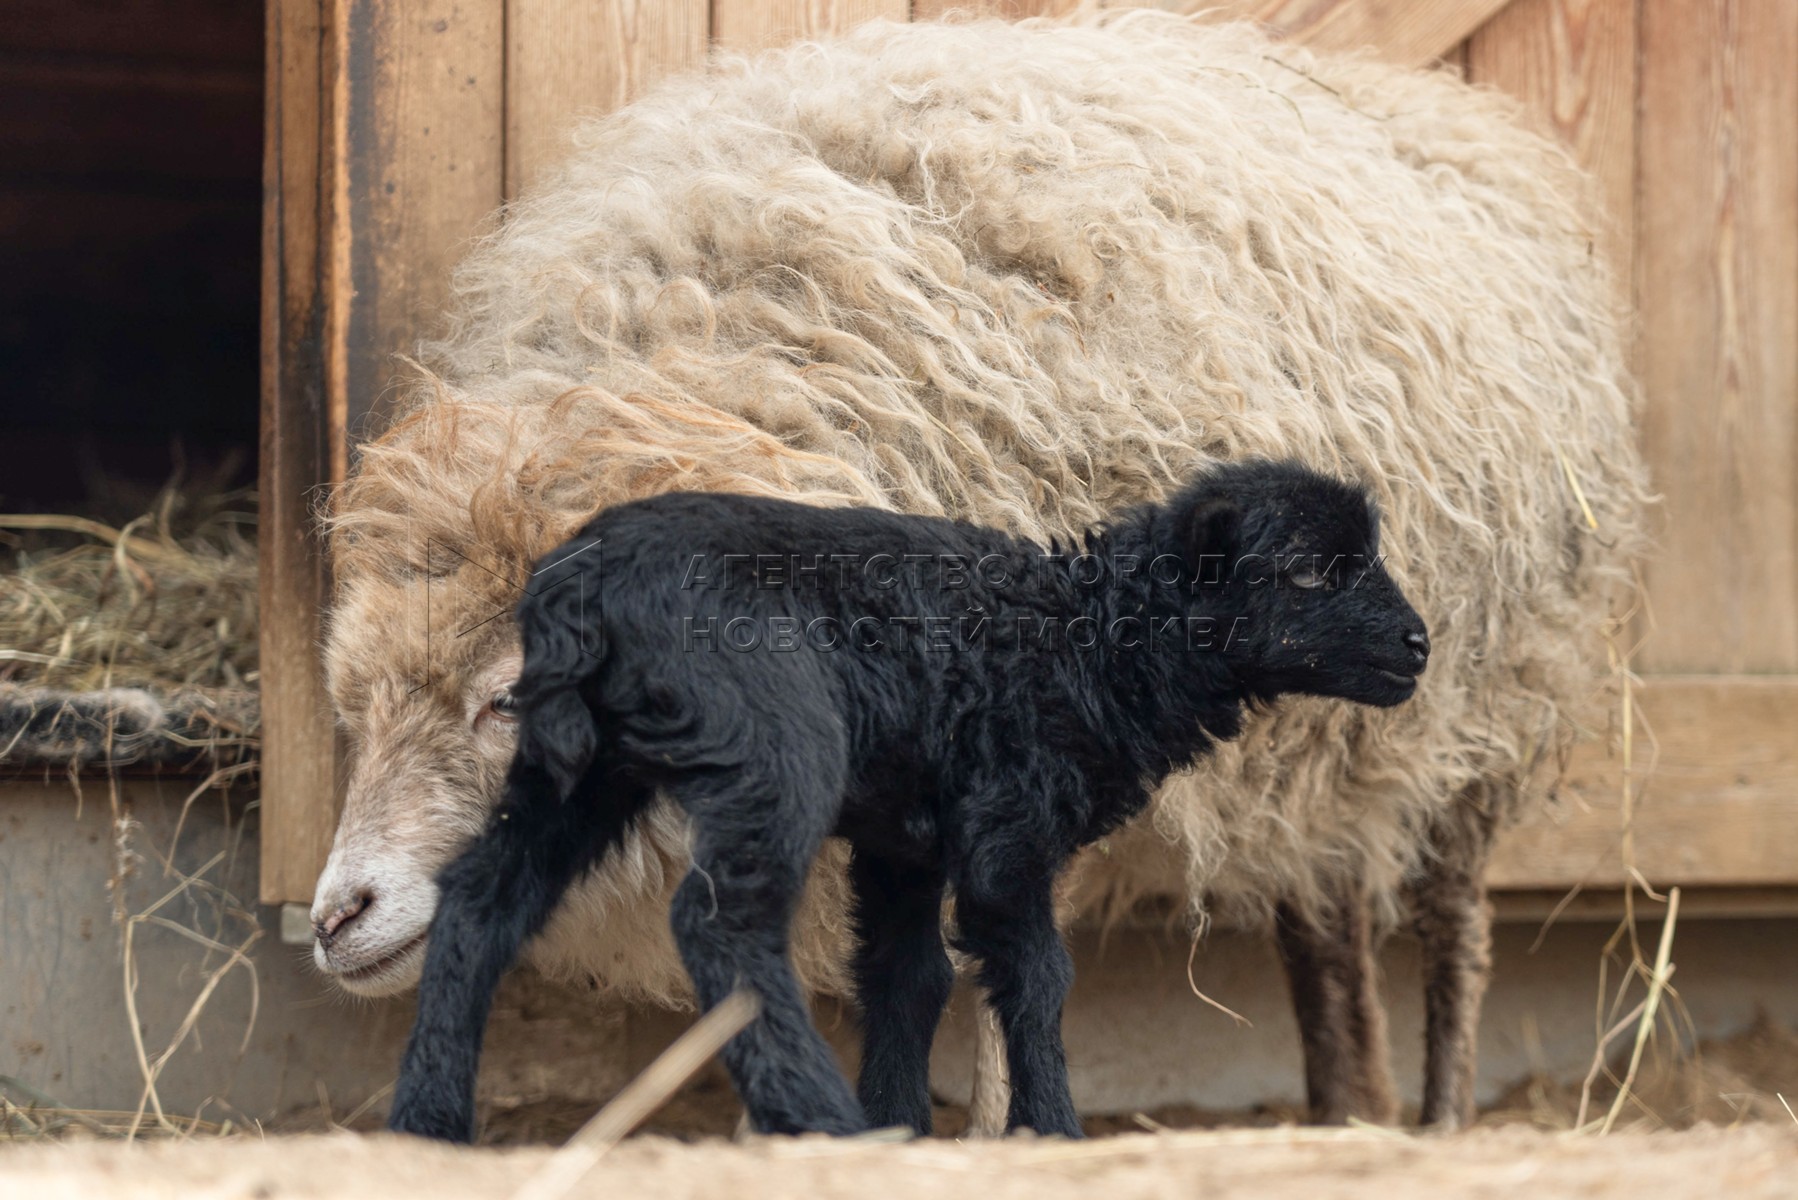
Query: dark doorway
[{"x": 130, "y": 193}]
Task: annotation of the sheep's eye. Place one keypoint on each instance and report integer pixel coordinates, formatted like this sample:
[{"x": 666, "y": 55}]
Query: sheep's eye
[
  {"x": 1309, "y": 578},
  {"x": 503, "y": 705}
]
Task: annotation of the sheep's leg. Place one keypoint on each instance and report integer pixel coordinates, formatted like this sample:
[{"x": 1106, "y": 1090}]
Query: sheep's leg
[
  {"x": 731, "y": 917},
  {"x": 1331, "y": 967},
  {"x": 1453, "y": 920},
  {"x": 991, "y": 1101},
  {"x": 494, "y": 897},
  {"x": 1006, "y": 919},
  {"x": 902, "y": 979}
]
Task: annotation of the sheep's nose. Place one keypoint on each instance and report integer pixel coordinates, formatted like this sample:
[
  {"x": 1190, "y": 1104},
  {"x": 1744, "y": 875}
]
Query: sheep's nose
[
  {"x": 326, "y": 931},
  {"x": 1420, "y": 647}
]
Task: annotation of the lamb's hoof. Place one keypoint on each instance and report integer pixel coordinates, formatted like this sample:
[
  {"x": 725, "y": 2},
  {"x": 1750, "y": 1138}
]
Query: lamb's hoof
[
  {"x": 834, "y": 1122},
  {"x": 885, "y": 1120},
  {"x": 443, "y": 1123}
]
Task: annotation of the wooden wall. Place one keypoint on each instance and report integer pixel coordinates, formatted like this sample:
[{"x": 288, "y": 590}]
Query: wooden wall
[
  {"x": 1688, "y": 113},
  {"x": 397, "y": 126}
]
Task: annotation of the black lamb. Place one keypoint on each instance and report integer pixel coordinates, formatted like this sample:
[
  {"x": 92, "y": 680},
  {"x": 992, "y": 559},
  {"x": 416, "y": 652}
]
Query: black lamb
[{"x": 966, "y": 708}]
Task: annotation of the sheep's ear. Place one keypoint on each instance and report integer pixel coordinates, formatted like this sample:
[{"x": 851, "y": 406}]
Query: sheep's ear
[{"x": 1213, "y": 537}]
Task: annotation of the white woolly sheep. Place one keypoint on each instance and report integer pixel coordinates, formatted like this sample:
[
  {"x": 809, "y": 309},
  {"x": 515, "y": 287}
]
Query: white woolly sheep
[{"x": 1025, "y": 274}]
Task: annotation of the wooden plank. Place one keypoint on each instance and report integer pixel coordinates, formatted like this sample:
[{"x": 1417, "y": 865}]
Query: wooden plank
[
  {"x": 748, "y": 25},
  {"x": 568, "y": 57},
  {"x": 385, "y": 155},
  {"x": 1161, "y": 912},
  {"x": 1573, "y": 64},
  {"x": 1563, "y": 905},
  {"x": 1717, "y": 804},
  {"x": 1718, "y": 292},
  {"x": 1414, "y": 32},
  {"x": 421, "y": 131},
  {"x": 1010, "y": 10},
  {"x": 298, "y": 743}
]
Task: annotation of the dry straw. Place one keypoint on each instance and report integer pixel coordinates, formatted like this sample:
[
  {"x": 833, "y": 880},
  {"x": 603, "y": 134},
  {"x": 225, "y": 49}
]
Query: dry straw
[{"x": 167, "y": 601}]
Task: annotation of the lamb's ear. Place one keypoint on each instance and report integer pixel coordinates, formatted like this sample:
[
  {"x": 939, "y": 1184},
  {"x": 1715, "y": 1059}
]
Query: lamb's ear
[{"x": 1212, "y": 537}]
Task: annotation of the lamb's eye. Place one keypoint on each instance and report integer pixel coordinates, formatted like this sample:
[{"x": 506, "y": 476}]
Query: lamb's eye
[{"x": 1308, "y": 577}]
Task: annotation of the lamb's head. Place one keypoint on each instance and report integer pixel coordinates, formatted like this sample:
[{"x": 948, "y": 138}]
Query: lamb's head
[
  {"x": 419, "y": 672},
  {"x": 1292, "y": 559}
]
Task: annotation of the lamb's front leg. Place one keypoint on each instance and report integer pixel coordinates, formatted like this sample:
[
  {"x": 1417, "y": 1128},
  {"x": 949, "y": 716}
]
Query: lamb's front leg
[
  {"x": 1005, "y": 918},
  {"x": 494, "y": 897}
]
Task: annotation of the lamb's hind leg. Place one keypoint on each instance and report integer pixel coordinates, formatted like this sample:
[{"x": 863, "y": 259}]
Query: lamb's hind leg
[
  {"x": 494, "y": 897},
  {"x": 1334, "y": 975},
  {"x": 755, "y": 836},
  {"x": 902, "y": 980},
  {"x": 1453, "y": 920}
]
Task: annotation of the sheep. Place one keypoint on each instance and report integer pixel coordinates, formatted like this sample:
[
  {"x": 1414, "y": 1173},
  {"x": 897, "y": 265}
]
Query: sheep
[
  {"x": 965, "y": 708},
  {"x": 1026, "y": 275}
]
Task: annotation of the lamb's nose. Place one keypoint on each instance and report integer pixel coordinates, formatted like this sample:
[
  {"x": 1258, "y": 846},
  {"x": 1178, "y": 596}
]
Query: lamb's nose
[
  {"x": 1420, "y": 646},
  {"x": 326, "y": 931}
]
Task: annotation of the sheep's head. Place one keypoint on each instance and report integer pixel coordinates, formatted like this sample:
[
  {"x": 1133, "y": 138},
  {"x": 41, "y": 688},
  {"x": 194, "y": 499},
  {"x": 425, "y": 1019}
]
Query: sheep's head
[
  {"x": 431, "y": 540},
  {"x": 1291, "y": 559},
  {"x": 418, "y": 672}
]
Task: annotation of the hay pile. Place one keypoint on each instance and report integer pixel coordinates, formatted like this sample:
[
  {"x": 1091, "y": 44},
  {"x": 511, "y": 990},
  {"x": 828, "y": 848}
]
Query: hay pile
[
  {"x": 134, "y": 645},
  {"x": 1751, "y": 1076}
]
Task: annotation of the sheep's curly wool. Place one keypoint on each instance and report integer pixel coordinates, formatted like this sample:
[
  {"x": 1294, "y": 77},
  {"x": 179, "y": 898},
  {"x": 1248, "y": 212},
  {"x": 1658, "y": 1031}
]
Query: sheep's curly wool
[{"x": 1027, "y": 274}]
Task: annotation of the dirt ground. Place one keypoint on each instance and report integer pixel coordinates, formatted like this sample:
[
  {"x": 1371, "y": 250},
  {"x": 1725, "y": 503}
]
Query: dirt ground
[
  {"x": 1744, "y": 1163},
  {"x": 1726, "y": 1082},
  {"x": 1720, "y": 1121}
]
